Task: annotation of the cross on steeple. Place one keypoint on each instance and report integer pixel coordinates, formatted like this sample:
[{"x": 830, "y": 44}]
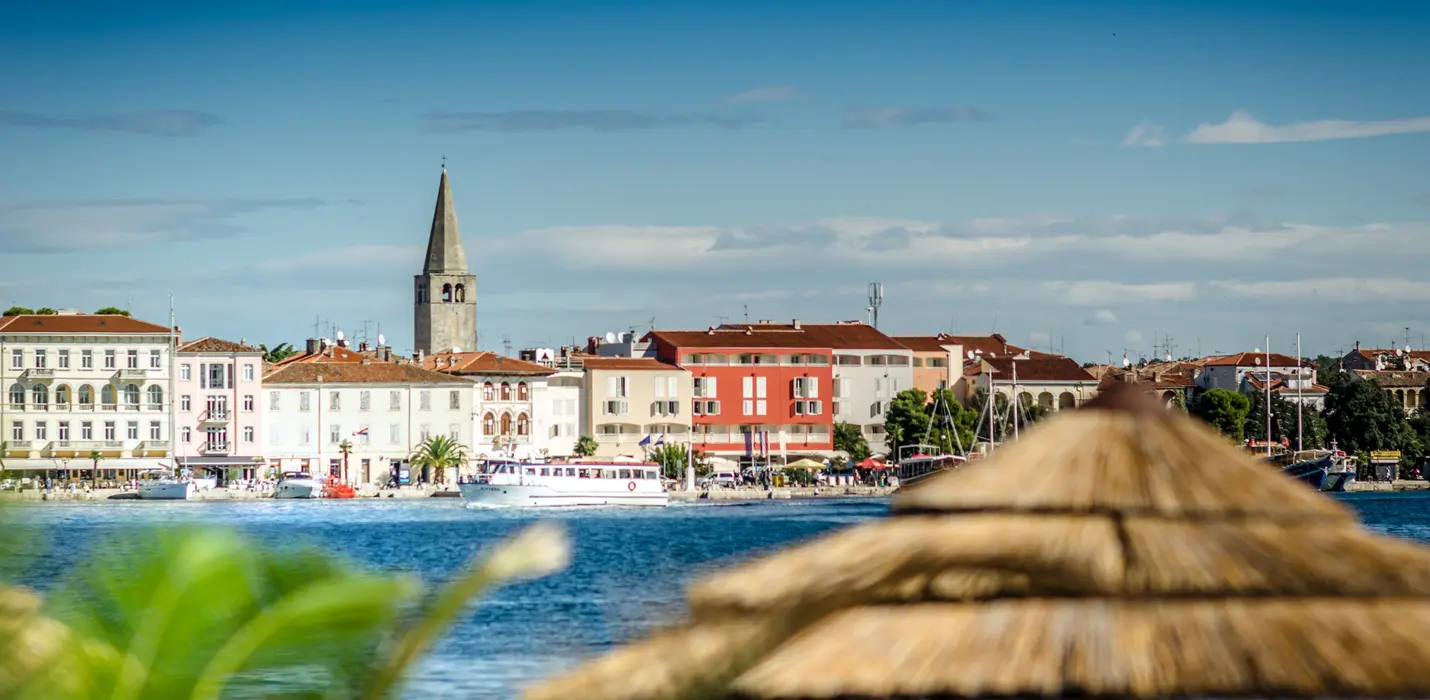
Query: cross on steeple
[{"x": 444, "y": 162}]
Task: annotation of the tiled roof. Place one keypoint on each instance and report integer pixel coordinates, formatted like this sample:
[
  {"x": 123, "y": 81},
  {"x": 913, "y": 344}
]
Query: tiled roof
[
  {"x": 1040, "y": 369},
  {"x": 815, "y": 336},
  {"x": 1252, "y": 359},
  {"x": 1278, "y": 385},
  {"x": 1396, "y": 379},
  {"x": 216, "y": 345},
  {"x": 372, "y": 372},
  {"x": 333, "y": 354},
  {"x": 78, "y": 323},
  {"x": 483, "y": 363},
  {"x": 630, "y": 363},
  {"x": 994, "y": 344}
]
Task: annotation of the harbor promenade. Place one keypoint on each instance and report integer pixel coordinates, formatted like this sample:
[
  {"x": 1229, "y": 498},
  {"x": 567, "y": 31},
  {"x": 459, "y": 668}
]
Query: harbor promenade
[{"x": 368, "y": 493}]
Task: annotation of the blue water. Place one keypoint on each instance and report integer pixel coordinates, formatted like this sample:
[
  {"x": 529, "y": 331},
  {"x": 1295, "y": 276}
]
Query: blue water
[{"x": 628, "y": 575}]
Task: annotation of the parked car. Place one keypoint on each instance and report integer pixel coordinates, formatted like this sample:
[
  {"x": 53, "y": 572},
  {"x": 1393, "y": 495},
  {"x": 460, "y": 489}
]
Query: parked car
[{"x": 721, "y": 479}]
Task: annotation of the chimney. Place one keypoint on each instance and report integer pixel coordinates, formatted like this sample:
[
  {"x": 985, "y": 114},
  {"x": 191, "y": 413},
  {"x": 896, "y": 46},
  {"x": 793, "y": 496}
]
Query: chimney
[
  {"x": 1357, "y": 346},
  {"x": 313, "y": 346},
  {"x": 362, "y": 347},
  {"x": 332, "y": 351},
  {"x": 795, "y": 323},
  {"x": 421, "y": 356}
]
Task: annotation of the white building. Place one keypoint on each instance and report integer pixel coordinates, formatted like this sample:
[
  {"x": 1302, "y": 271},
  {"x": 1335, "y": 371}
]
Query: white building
[
  {"x": 382, "y": 410},
  {"x": 85, "y": 392},
  {"x": 522, "y": 408},
  {"x": 219, "y": 418},
  {"x": 870, "y": 369}
]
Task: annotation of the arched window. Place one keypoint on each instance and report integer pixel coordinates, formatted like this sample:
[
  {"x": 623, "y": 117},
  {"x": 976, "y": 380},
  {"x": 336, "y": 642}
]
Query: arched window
[
  {"x": 40, "y": 395},
  {"x": 62, "y": 395},
  {"x": 131, "y": 395},
  {"x": 447, "y": 293},
  {"x": 523, "y": 425},
  {"x": 521, "y": 394},
  {"x": 505, "y": 391},
  {"x": 86, "y": 395},
  {"x": 506, "y": 424},
  {"x": 108, "y": 396},
  {"x": 421, "y": 293},
  {"x": 489, "y": 392},
  {"x": 17, "y": 395},
  {"x": 461, "y": 293},
  {"x": 156, "y": 396},
  {"x": 489, "y": 424}
]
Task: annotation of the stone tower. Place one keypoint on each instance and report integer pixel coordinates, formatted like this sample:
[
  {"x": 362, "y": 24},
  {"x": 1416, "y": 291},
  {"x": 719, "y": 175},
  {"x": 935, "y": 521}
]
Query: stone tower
[{"x": 445, "y": 294}]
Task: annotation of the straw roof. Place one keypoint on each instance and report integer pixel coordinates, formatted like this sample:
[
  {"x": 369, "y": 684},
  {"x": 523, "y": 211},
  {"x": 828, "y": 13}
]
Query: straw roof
[{"x": 1120, "y": 551}]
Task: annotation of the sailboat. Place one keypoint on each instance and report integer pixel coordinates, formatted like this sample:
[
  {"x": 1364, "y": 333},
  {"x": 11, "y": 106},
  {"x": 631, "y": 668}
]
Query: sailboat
[{"x": 917, "y": 463}]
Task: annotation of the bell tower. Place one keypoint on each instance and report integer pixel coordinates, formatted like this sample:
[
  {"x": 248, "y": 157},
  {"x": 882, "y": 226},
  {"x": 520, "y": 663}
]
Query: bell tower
[{"x": 445, "y": 294}]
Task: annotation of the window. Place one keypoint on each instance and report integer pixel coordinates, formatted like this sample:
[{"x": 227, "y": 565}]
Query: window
[
  {"x": 40, "y": 395},
  {"x": 17, "y": 395},
  {"x": 131, "y": 396},
  {"x": 86, "y": 359},
  {"x": 248, "y": 435},
  {"x": 394, "y": 400},
  {"x": 154, "y": 430},
  {"x": 747, "y": 386},
  {"x": 335, "y": 434},
  {"x": 748, "y": 407},
  {"x": 216, "y": 376},
  {"x": 304, "y": 401},
  {"x": 306, "y": 438},
  {"x": 132, "y": 430},
  {"x": 760, "y": 387},
  {"x": 505, "y": 391},
  {"x": 454, "y": 399},
  {"x": 806, "y": 387},
  {"x": 425, "y": 400},
  {"x": 217, "y": 438},
  {"x": 617, "y": 407},
  {"x": 489, "y": 392},
  {"x": 186, "y": 371},
  {"x": 364, "y": 435},
  {"x": 616, "y": 387},
  {"x": 86, "y": 431},
  {"x": 848, "y": 360},
  {"x": 186, "y": 435},
  {"x": 185, "y": 403},
  {"x": 523, "y": 425},
  {"x": 248, "y": 402},
  {"x": 760, "y": 407},
  {"x": 365, "y": 401},
  {"x": 86, "y": 396},
  {"x": 506, "y": 424},
  {"x": 155, "y": 357},
  {"x": 62, "y": 395},
  {"x": 273, "y": 401},
  {"x": 394, "y": 434},
  {"x": 64, "y": 432},
  {"x": 248, "y": 373},
  {"x": 109, "y": 362},
  {"x": 17, "y": 359},
  {"x": 17, "y": 431},
  {"x": 42, "y": 359},
  {"x": 131, "y": 359},
  {"x": 335, "y": 401},
  {"x": 454, "y": 432},
  {"x": 109, "y": 430},
  {"x": 41, "y": 432},
  {"x": 521, "y": 392},
  {"x": 489, "y": 425},
  {"x": 156, "y": 397},
  {"x": 109, "y": 397},
  {"x": 425, "y": 432}
]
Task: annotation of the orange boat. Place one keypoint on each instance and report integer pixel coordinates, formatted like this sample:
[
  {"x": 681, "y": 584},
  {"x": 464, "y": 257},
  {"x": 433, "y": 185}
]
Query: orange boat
[{"x": 339, "y": 491}]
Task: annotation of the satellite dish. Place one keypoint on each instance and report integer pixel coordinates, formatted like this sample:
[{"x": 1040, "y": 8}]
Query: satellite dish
[
  {"x": 1256, "y": 360},
  {"x": 381, "y": 339},
  {"x": 1169, "y": 357},
  {"x": 610, "y": 337},
  {"x": 970, "y": 354},
  {"x": 1126, "y": 362},
  {"x": 1400, "y": 352},
  {"x": 340, "y": 335}
]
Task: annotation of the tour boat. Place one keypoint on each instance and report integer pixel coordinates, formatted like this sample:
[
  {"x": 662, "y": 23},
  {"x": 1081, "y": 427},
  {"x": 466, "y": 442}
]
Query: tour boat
[
  {"x": 919, "y": 466},
  {"x": 296, "y": 485},
  {"x": 575, "y": 483},
  {"x": 160, "y": 485},
  {"x": 1333, "y": 471}
]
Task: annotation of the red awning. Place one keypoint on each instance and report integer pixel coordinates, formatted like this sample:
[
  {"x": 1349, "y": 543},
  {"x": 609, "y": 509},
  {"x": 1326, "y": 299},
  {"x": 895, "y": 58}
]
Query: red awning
[{"x": 871, "y": 463}]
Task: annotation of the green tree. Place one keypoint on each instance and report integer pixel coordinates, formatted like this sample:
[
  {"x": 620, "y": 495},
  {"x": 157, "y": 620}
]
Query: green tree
[
  {"x": 345, "y": 448},
  {"x": 1363, "y": 417},
  {"x": 915, "y": 418},
  {"x": 585, "y": 446},
  {"x": 849, "y": 439},
  {"x": 953, "y": 424},
  {"x": 439, "y": 453},
  {"x": 111, "y": 311},
  {"x": 906, "y": 419},
  {"x": 18, "y": 311},
  {"x": 279, "y": 353},
  {"x": 1283, "y": 421},
  {"x": 46, "y": 311},
  {"x": 672, "y": 458},
  {"x": 1224, "y": 410}
]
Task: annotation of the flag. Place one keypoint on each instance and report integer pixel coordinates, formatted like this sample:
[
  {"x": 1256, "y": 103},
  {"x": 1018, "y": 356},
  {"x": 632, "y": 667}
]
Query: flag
[
  {"x": 645, "y": 441},
  {"x": 765, "y": 444},
  {"x": 749, "y": 443},
  {"x": 360, "y": 432},
  {"x": 660, "y": 440}
]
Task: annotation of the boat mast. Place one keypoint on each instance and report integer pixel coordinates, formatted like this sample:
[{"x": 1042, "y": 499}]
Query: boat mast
[
  {"x": 1017, "y": 410},
  {"x": 1300, "y": 382},
  {"x": 1268, "y": 395}
]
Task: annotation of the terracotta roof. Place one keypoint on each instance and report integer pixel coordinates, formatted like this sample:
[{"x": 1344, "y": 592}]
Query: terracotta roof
[
  {"x": 811, "y": 336},
  {"x": 1278, "y": 385},
  {"x": 1253, "y": 359},
  {"x": 78, "y": 323},
  {"x": 359, "y": 373},
  {"x": 633, "y": 363},
  {"x": 340, "y": 355},
  {"x": 1039, "y": 369},
  {"x": 216, "y": 345},
  {"x": 1396, "y": 379},
  {"x": 994, "y": 344},
  {"x": 482, "y": 363}
]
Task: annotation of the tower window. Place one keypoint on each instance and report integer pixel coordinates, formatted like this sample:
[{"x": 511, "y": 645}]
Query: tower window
[
  {"x": 461, "y": 294},
  {"x": 447, "y": 293},
  {"x": 421, "y": 293}
]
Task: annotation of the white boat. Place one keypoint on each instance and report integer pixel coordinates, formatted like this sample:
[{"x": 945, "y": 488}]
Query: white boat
[
  {"x": 297, "y": 485},
  {"x": 577, "y": 483},
  {"x": 160, "y": 485}
]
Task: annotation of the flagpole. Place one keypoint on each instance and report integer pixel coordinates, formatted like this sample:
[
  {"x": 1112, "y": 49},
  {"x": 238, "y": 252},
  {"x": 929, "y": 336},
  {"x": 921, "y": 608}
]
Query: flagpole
[
  {"x": 1268, "y": 395},
  {"x": 690, "y": 461},
  {"x": 1300, "y": 382}
]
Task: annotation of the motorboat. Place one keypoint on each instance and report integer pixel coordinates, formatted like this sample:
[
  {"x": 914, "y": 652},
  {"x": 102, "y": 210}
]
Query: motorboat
[
  {"x": 297, "y": 485},
  {"x": 162, "y": 485},
  {"x": 574, "y": 483}
]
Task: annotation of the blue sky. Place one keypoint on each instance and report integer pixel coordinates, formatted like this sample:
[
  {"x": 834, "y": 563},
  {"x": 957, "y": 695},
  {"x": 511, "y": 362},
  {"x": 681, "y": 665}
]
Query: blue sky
[{"x": 1093, "y": 172}]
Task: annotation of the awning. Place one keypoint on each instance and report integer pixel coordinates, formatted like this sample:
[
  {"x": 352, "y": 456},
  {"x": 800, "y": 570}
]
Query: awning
[
  {"x": 221, "y": 461},
  {"x": 83, "y": 464}
]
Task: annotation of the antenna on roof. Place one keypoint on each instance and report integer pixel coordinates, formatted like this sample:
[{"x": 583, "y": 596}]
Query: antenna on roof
[
  {"x": 506, "y": 345},
  {"x": 876, "y": 299},
  {"x": 747, "y": 313}
]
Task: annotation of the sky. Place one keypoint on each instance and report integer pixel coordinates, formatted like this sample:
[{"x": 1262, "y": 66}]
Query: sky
[{"x": 1091, "y": 176}]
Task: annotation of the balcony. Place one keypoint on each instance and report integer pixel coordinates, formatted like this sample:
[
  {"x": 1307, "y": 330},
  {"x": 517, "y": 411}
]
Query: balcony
[
  {"x": 215, "y": 415},
  {"x": 153, "y": 446},
  {"x": 210, "y": 448},
  {"x": 614, "y": 438},
  {"x": 82, "y": 448},
  {"x": 35, "y": 373},
  {"x": 19, "y": 448},
  {"x": 133, "y": 373}
]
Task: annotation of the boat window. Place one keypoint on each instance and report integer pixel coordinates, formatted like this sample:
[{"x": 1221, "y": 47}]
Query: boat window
[
  {"x": 531, "y": 471},
  {"x": 650, "y": 474},
  {"x": 625, "y": 473},
  {"x": 546, "y": 471},
  {"x": 585, "y": 474}
]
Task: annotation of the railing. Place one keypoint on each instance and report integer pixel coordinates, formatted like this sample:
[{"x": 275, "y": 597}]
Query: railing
[
  {"x": 109, "y": 407},
  {"x": 216, "y": 415},
  {"x": 20, "y": 445},
  {"x": 87, "y": 445},
  {"x": 618, "y": 437},
  {"x": 40, "y": 373},
  {"x": 133, "y": 372},
  {"x": 156, "y": 444},
  {"x": 211, "y": 447}
]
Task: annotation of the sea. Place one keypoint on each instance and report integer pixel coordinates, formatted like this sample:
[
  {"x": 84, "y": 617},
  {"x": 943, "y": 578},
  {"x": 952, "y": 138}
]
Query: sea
[{"x": 627, "y": 577}]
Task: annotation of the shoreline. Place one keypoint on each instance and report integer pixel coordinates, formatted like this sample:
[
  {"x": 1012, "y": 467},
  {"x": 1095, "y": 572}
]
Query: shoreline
[{"x": 370, "y": 494}]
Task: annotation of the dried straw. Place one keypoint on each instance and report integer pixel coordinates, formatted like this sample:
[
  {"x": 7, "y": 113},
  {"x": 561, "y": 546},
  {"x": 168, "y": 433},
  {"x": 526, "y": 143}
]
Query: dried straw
[{"x": 28, "y": 640}]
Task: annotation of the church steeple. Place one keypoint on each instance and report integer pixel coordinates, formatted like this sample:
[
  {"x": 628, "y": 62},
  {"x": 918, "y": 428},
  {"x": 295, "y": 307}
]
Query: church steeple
[{"x": 444, "y": 243}]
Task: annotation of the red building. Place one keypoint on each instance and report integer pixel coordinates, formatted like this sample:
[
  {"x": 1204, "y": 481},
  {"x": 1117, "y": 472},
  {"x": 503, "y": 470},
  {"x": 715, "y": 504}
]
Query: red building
[{"x": 772, "y": 380}]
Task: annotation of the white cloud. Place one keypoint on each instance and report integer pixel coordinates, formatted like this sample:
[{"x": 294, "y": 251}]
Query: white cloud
[
  {"x": 1144, "y": 134},
  {"x": 1039, "y": 338},
  {"x": 1241, "y": 127},
  {"x": 1132, "y": 336},
  {"x": 1102, "y": 317},
  {"x": 72, "y": 226},
  {"x": 1343, "y": 290},
  {"x": 1098, "y": 292},
  {"x": 769, "y": 93}
]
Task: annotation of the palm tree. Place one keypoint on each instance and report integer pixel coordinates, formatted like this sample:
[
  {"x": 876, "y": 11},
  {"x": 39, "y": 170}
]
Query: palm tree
[
  {"x": 585, "y": 446},
  {"x": 438, "y": 453},
  {"x": 94, "y": 457},
  {"x": 4, "y": 448},
  {"x": 280, "y": 352},
  {"x": 346, "y": 448}
]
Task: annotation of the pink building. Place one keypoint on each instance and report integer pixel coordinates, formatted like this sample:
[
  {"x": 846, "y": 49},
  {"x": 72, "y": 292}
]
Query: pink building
[{"x": 218, "y": 416}]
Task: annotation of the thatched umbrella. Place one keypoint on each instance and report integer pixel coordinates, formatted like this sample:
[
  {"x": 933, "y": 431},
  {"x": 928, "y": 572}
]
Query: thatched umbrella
[
  {"x": 29, "y": 642},
  {"x": 1122, "y": 551}
]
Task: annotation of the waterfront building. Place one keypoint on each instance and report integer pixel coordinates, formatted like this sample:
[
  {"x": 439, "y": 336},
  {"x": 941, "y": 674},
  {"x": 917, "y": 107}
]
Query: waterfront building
[
  {"x": 1168, "y": 381},
  {"x": 445, "y": 293},
  {"x": 86, "y": 392},
  {"x": 510, "y": 403},
  {"x": 625, "y": 400},
  {"x": 1378, "y": 359},
  {"x": 219, "y": 416},
  {"x": 1055, "y": 383},
  {"x": 559, "y": 418},
  {"x": 369, "y": 414},
  {"x": 939, "y": 360},
  {"x": 1411, "y": 388}
]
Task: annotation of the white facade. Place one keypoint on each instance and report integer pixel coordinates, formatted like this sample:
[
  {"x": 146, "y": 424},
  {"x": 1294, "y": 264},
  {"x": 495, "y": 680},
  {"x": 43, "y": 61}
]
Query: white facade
[
  {"x": 505, "y": 417},
  {"x": 865, "y": 382},
  {"x": 556, "y": 407},
  {"x": 306, "y": 423},
  {"x": 80, "y": 389}
]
